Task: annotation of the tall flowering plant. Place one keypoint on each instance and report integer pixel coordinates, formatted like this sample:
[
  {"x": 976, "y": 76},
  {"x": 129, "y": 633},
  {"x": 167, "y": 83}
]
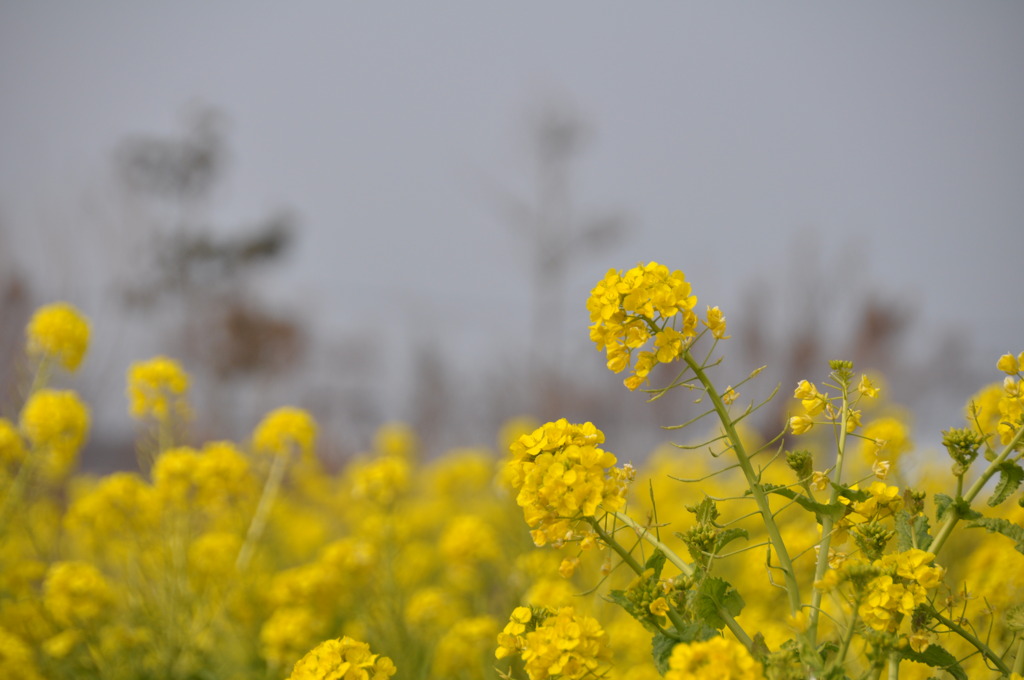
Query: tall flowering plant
[{"x": 867, "y": 583}]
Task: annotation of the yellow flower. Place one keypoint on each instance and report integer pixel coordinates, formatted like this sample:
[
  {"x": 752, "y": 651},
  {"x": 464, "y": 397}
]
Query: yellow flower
[
  {"x": 730, "y": 395},
  {"x": 568, "y": 566},
  {"x": 156, "y": 388},
  {"x": 76, "y": 593},
  {"x": 628, "y": 308},
  {"x": 60, "y": 332},
  {"x": 343, "y": 658},
  {"x": 286, "y": 429},
  {"x": 866, "y": 387},
  {"x": 659, "y": 607},
  {"x": 716, "y": 322},
  {"x": 1009, "y": 364},
  {"x": 561, "y": 476},
  {"x": 715, "y": 659},
  {"x": 800, "y": 424},
  {"x": 55, "y": 422},
  {"x": 12, "y": 447},
  {"x": 565, "y": 645}
]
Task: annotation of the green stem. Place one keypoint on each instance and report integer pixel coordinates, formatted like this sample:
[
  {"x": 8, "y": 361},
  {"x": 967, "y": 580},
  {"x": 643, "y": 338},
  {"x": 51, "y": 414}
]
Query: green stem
[
  {"x": 760, "y": 498},
  {"x": 645, "y": 533},
  {"x": 952, "y": 516},
  {"x": 259, "y": 519},
  {"x": 1018, "y": 660},
  {"x": 827, "y": 522},
  {"x": 985, "y": 650},
  {"x": 894, "y": 666}
]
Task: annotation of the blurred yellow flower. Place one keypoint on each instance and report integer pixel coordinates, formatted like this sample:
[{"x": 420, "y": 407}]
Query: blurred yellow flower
[
  {"x": 55, "y": 422},
  {"x": 156, "y": 388},
  {"x": 60, "y": 332},
  {"x": 715, "y": 659},
  {"x": 286, "y": 430}
]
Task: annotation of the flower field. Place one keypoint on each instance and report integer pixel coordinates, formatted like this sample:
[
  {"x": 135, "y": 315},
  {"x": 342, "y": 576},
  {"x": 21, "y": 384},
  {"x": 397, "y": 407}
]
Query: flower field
[{"x": 819, "y": 553}]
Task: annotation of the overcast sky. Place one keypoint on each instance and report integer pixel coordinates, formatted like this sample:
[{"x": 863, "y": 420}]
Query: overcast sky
[{"x": 727, "y": 133}]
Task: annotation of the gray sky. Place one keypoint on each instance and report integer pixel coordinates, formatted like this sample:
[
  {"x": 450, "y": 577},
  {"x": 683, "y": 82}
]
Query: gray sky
[{"x": 728, "y": 133}]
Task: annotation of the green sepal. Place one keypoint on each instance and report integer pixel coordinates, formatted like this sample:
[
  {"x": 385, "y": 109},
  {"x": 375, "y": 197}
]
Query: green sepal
[
  {"x": 936, "y": 657},
  {"x": 1010, "y": 477},
  {"x": 997, "y": 525},
  {"x": 715, "y": 594}
]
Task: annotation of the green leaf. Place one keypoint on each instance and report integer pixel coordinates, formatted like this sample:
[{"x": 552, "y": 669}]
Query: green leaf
[
  {"x": 1010, "y": 477},
  {"x": 714, "y": 595},
  {"x": 819, "y": 509},
  {"x": 852, "y": 494},
  {"x": 960, "y": 506},
  {"x": 727, "y": 536},
  {"x": 997, "y": 525},
  {"x": 908, "y": 528},
  {"x": 936, "y": 657},
  {"x": 661, "y": 650},
  {"x": 656, "y": 562}
]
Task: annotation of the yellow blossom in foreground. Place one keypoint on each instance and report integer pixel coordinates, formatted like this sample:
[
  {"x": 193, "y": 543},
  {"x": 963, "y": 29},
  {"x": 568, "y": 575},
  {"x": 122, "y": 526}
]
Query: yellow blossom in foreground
[
  {"x": 342, "y": 659},
  {"x": 800, "y": 424},
  {"x": 60, "y": 332},
  {"x": 563, "y": 645},
  {"x": 714, "y": 659},
  {"x": 866, "y": 388},
  {"x": 1010, "y": 364},
  {"x": 156, "y": 388},
  {"x": 716, "y": 322},
  {"x": 285, "y": 429},
  {"x": 628, "y": 309},
  {"x": 562, "y": 476}
]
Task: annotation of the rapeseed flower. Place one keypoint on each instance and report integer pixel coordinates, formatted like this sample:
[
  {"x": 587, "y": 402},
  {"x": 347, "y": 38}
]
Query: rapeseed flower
[
  {"x": 156, "y": 388},
  {"x": 629, "y": 309},
  {"x": 715, "y": 659},
  {"x": 76, "y": 593},
  {"x": 561, "y": 476},
  {"x": 58, "y": 331},
  {"x": 56, "y": 424},
  {"x": 284, "y": 431},
  {"x": 342, "y": 659}
]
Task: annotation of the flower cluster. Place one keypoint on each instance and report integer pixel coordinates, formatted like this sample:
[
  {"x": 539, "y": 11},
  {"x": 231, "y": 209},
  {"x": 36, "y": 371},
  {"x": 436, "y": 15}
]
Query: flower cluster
[
  {"x": 628, "y": 310},
  {"x": 815, "y": 403},
  {"x": 717, "y": 658},
  {"x": 284, "y": 431},
  {"x": 560, "y": 644},
  {"x": 55, "y": 423},
  {"x": 899, "y": 589},
  {"x": 59, "y": 332},
  {"x": 561, "y": 476},
  {"x": 342, "y": 659},
  {"x": 156, "y": 388}
]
